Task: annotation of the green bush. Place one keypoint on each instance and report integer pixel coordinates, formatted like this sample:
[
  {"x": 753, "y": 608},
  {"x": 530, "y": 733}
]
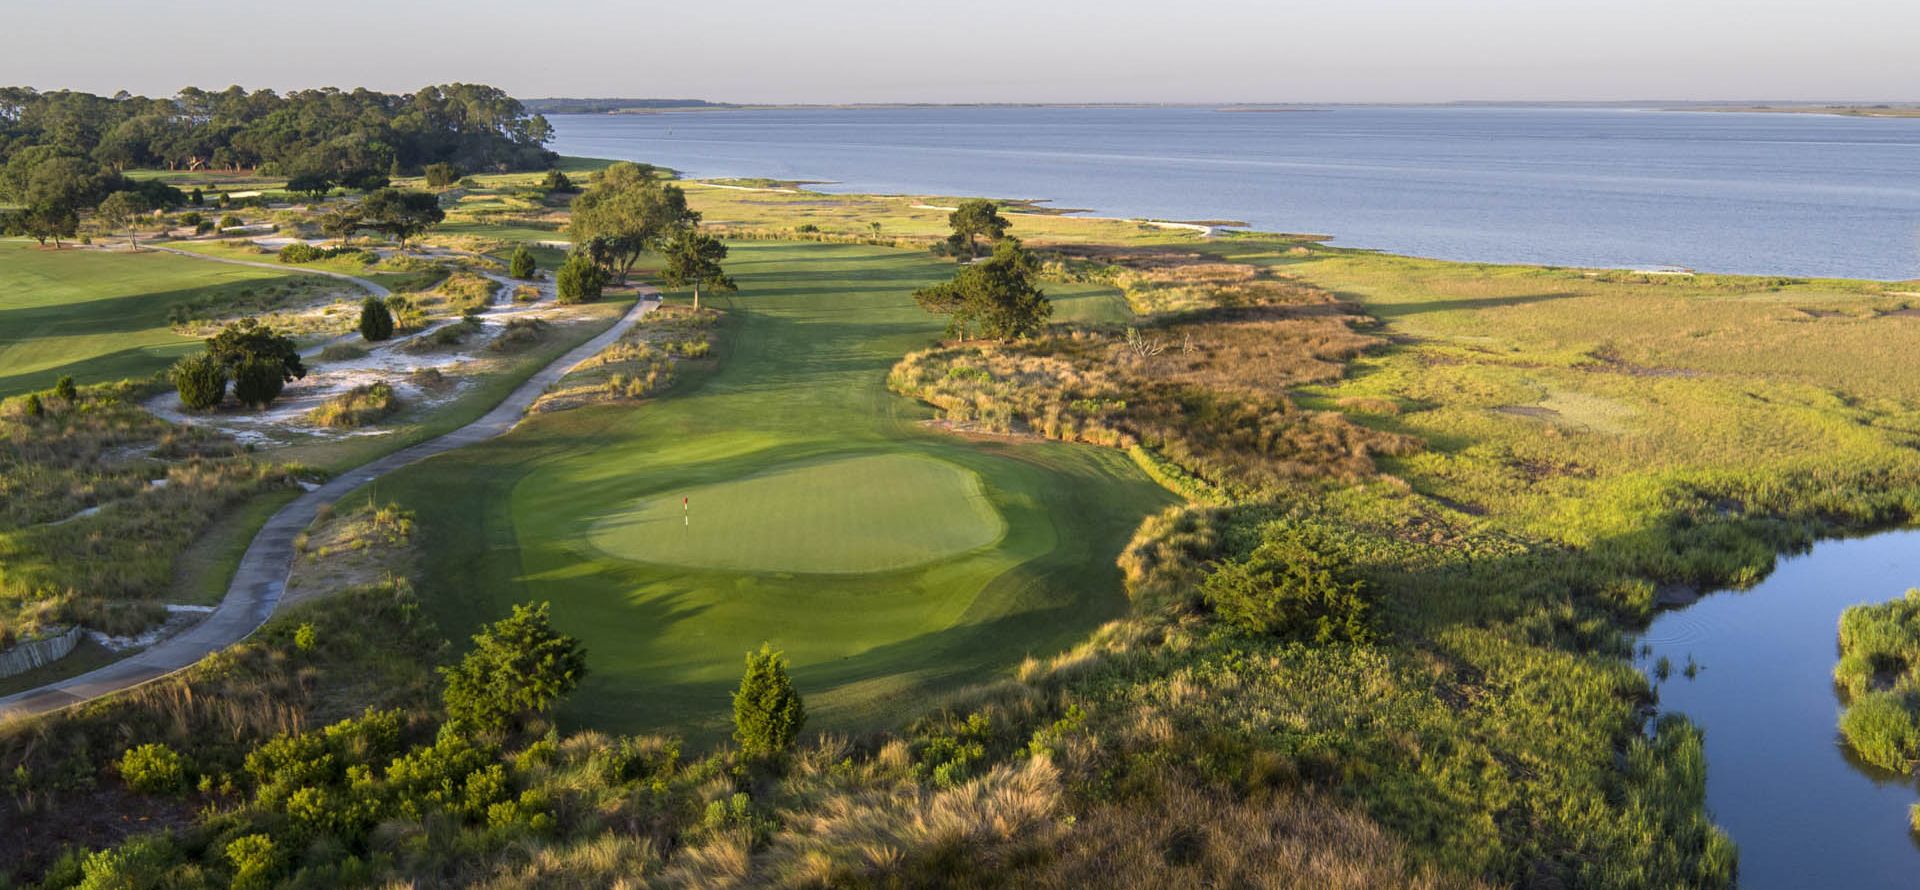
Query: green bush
[
  {"x": 580, "y": 280},
  {"x": 558, "y": 183},
  {"x": 1290, "y": 587},
  {"x": 229, "y": 221},
  {"x": 299, "y": 252},
  {"x": 153, "y": 768},
  {"x": 441, "y": 175},
  {"x": 257, "y": 382},
  {"x": 65, "y": 390},
  {"x": 376, "y": 321},
  {"x": 254, "y": 860},
  {"x": 522, "y": 265},
  {"x": 201, "y": 380},
  {"x": 519, "y": 665},
  {"x": 767, "y": 712},
  {"x": 33, "y": 407}
]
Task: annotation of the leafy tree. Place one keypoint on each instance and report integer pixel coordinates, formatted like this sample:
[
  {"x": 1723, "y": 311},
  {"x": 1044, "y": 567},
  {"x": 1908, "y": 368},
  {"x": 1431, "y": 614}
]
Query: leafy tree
[
  {"x": 65, "y": 390},
  {"x": 119, "y": 211},
  {"x": 260, "y": 360},
  {"x": 400, "y": 214},
  {"x": 580, "y": 279},
  {"x": 341, "y": 222},
  {"x": 767, "y": 712},
  {"x": 521, "y": 266},
  {"x": 973, "y": 218},
  {"x": 519, "y": 665},
  {"x": 998, "y": 297},
  {"x": 441, "y": 175},
  {"x": 43, "y": 222},
  {"x": 627, "y": 212},
  {"x": 314, "y": 185},
  {"x": 558, "y": 183},
  {"x": 376, "y": 322},
  {"x": 201, "y": 380},
  {"x": 692, "y": 260}
]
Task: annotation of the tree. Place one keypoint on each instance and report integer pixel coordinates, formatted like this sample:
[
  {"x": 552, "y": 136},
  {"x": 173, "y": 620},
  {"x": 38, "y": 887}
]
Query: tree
[
  {"x": 999, "y": 296},
  {"x": 441, "y": 175},
  {"x": 314, "y": 185},
  {"x": 197, "y": 198},
  {"x": 580, "y": 279},
  {"x": 376, "y": 322},
  {"x": 400, "y": 214},
  {"x": 201, "y": 380},
  {"x": 973, "y": 218},
  {"x": 693, "y": 260},
  {"x": 341, "y": 222},
  {"x": 119, "y": 211},
  {"x": 627, "y": 212},
  {"x": 42, "y": 223},
  {"x": 521, "y": 266},
  {"x": 558, "y": 183},
  {"x": 260, "y": 360},
  {"x": 767, "y": 712},
  {"x": 519, "y": 665}
]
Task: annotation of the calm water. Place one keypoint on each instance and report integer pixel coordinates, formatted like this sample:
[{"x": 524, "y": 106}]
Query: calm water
[
  {"x": 1759, "y": 193},
  {"x": 1778, "y": 776}
]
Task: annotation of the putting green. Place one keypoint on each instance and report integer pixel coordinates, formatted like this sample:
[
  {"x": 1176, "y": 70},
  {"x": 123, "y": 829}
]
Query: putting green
[
  {"x": 890, "y": 561},
  {"x": 862, "y": 514}
]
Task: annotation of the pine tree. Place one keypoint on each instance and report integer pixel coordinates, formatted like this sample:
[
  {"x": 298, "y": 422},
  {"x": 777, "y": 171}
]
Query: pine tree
[{"x": 767, "y": 712}]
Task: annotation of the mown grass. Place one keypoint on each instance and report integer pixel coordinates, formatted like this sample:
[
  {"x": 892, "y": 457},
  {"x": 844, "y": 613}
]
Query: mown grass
[
  {"x": 101, "y": 316},
  {"x": 800, "y": 378}
]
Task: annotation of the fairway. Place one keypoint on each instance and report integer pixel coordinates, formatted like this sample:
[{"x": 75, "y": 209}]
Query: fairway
[
  {"x": 785, "y": 497},
  {"x": 861, "y": 514},
  {"x": 98, "y": 315}
]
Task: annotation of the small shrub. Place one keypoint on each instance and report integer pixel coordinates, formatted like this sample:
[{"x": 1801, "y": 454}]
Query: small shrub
[
  {"x": 441, "y": 175},
  {"x": 304, "y": 637},
  {"x": 33, "y": 408},
  {"x": 201, "y": 380},
  {"x": 65, "y": 390},
  {"x": 357, "y": 407},
  {"x": 522, "y": 266},
  {"x": 518, "y": 665},
  {"x": 229, "y": 221},
  {"x": 376, "y": 321},
  {"x": 342, "y": 352},
  {"x": 258, "y": 381},
  {"x": 153, "y": 768},
  {"x": 1290, "y": 587},
  {"x": 254, "y": 860},
  {"x": 767, "y": 712},
  {"x": 580, "y": 280},
  {"x": 300, "y": 252}
]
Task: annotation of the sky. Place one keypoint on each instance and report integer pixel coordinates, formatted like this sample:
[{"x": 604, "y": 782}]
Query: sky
[{"x": 781, "y": 51}]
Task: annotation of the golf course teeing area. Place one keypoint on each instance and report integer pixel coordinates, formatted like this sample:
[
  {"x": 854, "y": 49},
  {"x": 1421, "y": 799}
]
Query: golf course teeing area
[{"x": 782, "y": 496}]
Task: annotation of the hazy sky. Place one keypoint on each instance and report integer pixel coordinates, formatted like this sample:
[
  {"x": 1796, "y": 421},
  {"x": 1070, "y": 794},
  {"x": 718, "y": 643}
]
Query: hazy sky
[{"x": 985, "y": 50}]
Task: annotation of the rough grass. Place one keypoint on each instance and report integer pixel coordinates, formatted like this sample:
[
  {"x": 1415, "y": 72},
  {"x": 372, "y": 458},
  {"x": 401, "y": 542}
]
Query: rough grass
[
  {"x": 363, "y": 405},
  {"x": 641, "y": 363}
]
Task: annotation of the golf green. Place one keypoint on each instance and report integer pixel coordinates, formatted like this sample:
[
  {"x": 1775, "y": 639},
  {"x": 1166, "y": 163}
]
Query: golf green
[
  {"x": 860, "y": 514},
  {"x": 786, "y": 496}
]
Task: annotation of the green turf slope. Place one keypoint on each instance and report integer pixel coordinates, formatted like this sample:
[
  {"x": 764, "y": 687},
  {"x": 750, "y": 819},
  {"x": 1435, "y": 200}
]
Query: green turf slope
[
  {"x": 890, "y": 561},
  {"x": 98, "y": 315},
  {"x": 95, "y": 314}
]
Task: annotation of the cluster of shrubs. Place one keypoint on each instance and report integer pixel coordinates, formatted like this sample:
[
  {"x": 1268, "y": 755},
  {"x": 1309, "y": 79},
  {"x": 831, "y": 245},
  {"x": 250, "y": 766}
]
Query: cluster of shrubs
[
  {"x": 255, "y": 358},
  {"x": 300, "y": 252}
]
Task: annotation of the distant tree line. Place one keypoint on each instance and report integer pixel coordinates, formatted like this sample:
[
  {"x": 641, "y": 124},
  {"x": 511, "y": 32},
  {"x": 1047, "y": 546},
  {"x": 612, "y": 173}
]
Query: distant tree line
[{"x": 327, "y": 132}]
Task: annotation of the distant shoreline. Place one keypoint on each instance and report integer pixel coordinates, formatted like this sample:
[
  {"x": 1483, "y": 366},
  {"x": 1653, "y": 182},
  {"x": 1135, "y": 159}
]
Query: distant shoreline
[{"x": 654, "y": 106}]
